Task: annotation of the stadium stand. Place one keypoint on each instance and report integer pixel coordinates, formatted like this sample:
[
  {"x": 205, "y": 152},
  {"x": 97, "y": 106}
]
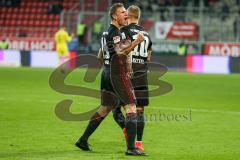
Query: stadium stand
[
  {"x": 32, "y": 18},
  {"x": 42, "y": 18}
]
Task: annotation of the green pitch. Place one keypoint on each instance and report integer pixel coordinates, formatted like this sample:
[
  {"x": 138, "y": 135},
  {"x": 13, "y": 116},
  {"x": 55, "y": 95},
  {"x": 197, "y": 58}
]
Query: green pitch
[{"x": 198, "y": 120}]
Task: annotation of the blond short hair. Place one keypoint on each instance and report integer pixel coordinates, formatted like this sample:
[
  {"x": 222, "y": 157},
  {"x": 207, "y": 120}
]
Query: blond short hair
[
  {"x": 134, "y": 11},
  {"x": 114, "y": 8}
]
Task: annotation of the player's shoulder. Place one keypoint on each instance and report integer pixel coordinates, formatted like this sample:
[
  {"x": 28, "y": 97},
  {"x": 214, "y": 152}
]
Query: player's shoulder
[
  {"x": 112, "y": 29},
  {"x": 125, "y": 28},
  {"x": 134, "y": 28},
  {"x": 142, "y": 30},
  {"x": 113, "y": 33}
]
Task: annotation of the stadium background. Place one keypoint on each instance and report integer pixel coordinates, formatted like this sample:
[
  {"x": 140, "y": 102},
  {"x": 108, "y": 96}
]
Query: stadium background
[{"x": 208, "y": 30}]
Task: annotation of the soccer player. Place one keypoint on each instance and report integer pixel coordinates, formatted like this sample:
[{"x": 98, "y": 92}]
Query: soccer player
[
  {"x": 115, "y": 84},
  {"x": 61, "y": 39},
  {"x": 141, "y": 54}
]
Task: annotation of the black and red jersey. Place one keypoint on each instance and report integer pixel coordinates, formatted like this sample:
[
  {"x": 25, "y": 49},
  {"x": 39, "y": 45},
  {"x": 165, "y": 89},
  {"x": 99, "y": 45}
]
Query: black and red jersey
[{"x": 140, "y": 52}]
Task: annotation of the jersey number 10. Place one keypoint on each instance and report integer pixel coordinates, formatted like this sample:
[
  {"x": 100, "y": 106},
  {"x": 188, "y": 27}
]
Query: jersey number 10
[{"x": 142, "y": 48}]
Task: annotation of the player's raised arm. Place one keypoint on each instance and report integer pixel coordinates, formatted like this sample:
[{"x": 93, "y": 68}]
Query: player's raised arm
[{"x": 126, "y": 49}]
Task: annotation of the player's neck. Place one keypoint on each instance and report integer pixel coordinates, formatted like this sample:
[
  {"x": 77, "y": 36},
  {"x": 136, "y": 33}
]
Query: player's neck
[
  {"x": 134, "y": 21},
  {"x": 116, "y": 24}
]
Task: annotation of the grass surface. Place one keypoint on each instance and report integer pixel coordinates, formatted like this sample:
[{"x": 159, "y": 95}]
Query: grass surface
[{"x": 205, "y": 125}]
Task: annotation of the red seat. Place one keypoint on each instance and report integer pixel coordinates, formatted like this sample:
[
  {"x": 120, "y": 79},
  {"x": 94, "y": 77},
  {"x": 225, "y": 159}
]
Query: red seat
[
  {"x": 44, "y": 17},
  {"x": 13, "y": 29},
  {"x": 26, "y": 16},
  {"x": 34, "y": 4},
  {"x": 45, "y": 5},
  {"x": 51, "y": 17},
  {"x": 56, "y": 24},
  {"x": 40, "y": 35},
  {"x": 19, "y": 23},
  {"x": 25, "y": 23},
  {"x": 23, "y": 4},
  {"x": 13, "y": 23},
  {"x": 49, "y": 24},
  {"x": 37, "y": 23},
  {"x": 21, "y": 10},
  {"x": 33, "y": 11},
  {"x": 2, "y": 16},
  {"x": 42, "y": 23},
  {"x": 38, "y": 16},
  {"x": 14, "y": 16},
  {"x": 28, "y": 5},
  {"x": 102, "y": 5},
  {"x": 31, "y": 23},
  {"x": 9, "y": 10},
  {"x": 32, "y": 16},
  {"x": 1, "y": 22},
  {"x": 15, "y": 11},
  {"x": 4, "y": 10},
  {"x": 40, "y": 5},
  {"x": 20, "y": 16},
  {"x": 57, "y": 17},
  {"x": 7, "y": 22},
  {"x": 88, "y": 20},
  {"x": 39, "y": 11},
  {"x": 27, "y": 11},
  {"x": 8, "y": 16}
]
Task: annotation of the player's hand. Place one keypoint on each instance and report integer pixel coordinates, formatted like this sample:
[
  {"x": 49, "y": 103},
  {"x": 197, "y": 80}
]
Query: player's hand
[
  {"x": 140, "y": 37},
  {"x": 73, "y": 35}
]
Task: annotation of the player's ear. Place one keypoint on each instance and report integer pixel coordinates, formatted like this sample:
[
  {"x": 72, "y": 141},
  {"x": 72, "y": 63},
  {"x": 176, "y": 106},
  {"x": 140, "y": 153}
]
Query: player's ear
[{"x": 114, "y": 16}]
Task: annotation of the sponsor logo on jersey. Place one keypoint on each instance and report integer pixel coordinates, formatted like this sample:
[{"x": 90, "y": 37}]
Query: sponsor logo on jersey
[{"x": 116, "y": 39}]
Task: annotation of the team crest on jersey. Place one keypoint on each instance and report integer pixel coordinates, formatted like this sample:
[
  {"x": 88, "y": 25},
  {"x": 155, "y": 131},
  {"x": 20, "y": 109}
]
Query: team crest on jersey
[{"x": 116, "y": 39}]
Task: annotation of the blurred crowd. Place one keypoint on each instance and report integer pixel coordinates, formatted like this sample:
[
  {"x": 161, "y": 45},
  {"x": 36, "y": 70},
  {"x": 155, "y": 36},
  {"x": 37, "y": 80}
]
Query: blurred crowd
[
  {"x": 153, "y": 5},
  {"x": 10, "y": 3},
  {"x": 223, "y": 7},
  {"x": 54, "y": 7}
]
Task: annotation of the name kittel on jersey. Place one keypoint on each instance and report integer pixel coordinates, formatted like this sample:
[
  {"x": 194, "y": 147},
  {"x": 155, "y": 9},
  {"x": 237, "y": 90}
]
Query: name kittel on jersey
[{"x": 138, "y": 60}]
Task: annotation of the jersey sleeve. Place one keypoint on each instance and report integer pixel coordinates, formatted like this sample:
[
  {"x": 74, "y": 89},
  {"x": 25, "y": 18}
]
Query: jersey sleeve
[{"x": 114, "y": 36}]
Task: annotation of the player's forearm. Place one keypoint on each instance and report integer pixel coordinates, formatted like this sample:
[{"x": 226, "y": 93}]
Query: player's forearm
[
  {"x": 127, "y": 50},
  {"x": 129, "y": 65},
  {"x": 129, "y": 62}
]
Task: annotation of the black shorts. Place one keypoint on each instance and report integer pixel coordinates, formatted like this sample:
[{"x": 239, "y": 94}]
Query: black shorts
[
  {"x": 121, "y": 93},
  {"x": 121, "y": 82},
  {"x": 108, "y": 96},
  {"x": 123, "y": 89},
  {"x": 140, "y": 85}
]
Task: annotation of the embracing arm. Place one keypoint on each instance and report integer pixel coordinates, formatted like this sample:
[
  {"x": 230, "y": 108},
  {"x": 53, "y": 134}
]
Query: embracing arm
[{"x": 126, "y": 49}]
